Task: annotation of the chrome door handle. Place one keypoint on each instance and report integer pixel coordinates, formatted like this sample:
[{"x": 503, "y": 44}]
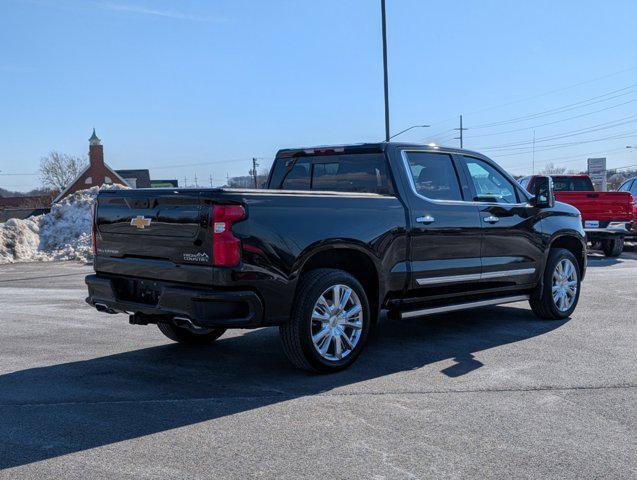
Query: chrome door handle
[
  {"x": 491, "y": 219},
  {"x": 425, "y": 219}
]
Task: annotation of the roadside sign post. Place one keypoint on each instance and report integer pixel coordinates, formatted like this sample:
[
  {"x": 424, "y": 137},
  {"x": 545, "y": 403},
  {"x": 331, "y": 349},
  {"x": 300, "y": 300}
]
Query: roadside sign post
[{"x": 597, "y": 172}]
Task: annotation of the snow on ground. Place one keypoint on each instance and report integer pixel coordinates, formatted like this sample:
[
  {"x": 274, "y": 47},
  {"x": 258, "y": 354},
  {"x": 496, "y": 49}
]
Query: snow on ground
[{"x": 62, "y": 234}]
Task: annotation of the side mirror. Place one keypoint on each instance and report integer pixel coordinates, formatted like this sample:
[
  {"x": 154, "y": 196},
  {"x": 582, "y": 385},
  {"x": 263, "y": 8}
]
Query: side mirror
[{"x": 543, "y": 191}]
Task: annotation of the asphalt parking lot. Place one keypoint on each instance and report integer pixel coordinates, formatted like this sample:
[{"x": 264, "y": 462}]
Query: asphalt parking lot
[{"x": 490, "y": 393}]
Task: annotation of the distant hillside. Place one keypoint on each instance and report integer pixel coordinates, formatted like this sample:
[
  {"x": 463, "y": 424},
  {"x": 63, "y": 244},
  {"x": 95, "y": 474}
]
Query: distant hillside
[{"x": 33, "y": 193}]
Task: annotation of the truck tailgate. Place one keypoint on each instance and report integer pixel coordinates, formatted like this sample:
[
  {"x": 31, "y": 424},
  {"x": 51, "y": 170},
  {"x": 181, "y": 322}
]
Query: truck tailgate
[
  {"x": 160, "y": 234},
  {"x": 602, "y": 206}
]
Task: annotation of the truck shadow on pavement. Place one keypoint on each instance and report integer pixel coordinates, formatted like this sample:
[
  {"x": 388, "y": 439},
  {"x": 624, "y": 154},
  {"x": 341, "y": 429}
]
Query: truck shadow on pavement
[{"x": 61, "y": 409}]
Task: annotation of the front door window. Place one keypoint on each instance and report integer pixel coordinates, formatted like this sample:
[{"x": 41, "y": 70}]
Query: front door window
[{"x": 489, "y": 184}]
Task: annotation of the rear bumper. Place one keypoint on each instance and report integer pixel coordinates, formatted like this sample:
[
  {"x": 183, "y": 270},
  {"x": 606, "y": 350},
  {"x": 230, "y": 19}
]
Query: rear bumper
[
  {"x": 204, "y": 307},
  {"x": 613, "y": 230}
]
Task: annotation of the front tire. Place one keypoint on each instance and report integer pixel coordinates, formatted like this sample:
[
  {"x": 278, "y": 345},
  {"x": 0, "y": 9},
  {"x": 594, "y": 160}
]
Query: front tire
[
  {"x": 198, "y": 336},
  {"x": 613, "y": 247},
  {"x": 329, "y": 324},
  {"x": 560, "y": 289}
]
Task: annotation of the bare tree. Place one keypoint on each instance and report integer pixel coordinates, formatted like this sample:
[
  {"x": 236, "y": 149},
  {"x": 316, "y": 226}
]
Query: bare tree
[
  {"x": 551, "y": 169},
  {"x": 57, "y": 169},
  {"x": 247, "y": 181}
]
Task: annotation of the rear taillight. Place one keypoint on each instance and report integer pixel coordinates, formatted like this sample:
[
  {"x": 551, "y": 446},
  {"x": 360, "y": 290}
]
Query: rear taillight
[
  {"x": 226, "y": 247},
  {"x": 93, "y": 239}
]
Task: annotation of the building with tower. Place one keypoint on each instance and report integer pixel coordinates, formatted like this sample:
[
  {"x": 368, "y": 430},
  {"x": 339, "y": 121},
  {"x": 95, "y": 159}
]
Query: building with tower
[{"x": 96, "y": 173}]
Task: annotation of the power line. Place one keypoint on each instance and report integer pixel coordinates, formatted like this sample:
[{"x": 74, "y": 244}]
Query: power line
[
  {"x": 580, "y": 155},
  {"x": 553, "y": 122},
  {"x": 526, "y": 150},
  {"x": 593, "y": 128},
  {"x": 442, "y": 132},
  {"x": 573, "y": 158},
  {"x": 163, "y": 167},
  {"x": 526, "y": 145},
  {"x": 220, "y": 162},
  {"x": 625, "y": 166},
  {"x": 554, "y": 111},
  {"x": 550, "y": 92},
  {"x": 562, "y": 89},
  {"x": 563, "y": 108}
]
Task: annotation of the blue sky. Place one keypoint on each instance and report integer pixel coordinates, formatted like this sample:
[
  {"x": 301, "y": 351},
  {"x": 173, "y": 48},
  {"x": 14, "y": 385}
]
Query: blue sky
[{"x": 199, "y": 87}]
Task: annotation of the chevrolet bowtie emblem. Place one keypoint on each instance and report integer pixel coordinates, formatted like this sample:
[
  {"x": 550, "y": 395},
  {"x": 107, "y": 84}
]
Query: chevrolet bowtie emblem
[{"x": 140, "y": 222}]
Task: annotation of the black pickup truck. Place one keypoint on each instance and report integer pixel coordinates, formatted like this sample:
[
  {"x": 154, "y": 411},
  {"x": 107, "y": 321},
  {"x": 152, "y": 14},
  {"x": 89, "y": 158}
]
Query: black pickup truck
[{"x": 339, "y": 234}]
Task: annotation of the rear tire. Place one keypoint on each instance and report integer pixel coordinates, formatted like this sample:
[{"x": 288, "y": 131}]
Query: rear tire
[
  {"x": 555, "y": 300},
  {"x": 614, "y": 247},
  {"x": 202, "y": 336},
  {"x": 330, "y": 315}
]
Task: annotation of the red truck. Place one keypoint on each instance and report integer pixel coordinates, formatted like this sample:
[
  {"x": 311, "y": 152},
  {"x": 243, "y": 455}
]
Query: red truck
[
  {"x": 630, "y": 186},
  {"x": 607, "y": 216}
]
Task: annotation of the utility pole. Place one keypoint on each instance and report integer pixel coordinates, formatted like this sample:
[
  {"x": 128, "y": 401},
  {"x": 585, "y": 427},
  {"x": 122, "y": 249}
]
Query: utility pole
[
  {"x": 185, "y": 182},
  {"x": 227, "y": 179},
  {"x": 196, "y": 184},
  {"x": 382, "y": 7},
  {"x": 255, "y": 164},
  {"x": 211, "y": 180},
  {"x": 461, "y": 129}
]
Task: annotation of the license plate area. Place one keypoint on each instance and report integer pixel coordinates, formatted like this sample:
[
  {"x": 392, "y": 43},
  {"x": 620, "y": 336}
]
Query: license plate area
[
  {"x": 591, "y": 223},
  {"x": 138, "y": 291}
]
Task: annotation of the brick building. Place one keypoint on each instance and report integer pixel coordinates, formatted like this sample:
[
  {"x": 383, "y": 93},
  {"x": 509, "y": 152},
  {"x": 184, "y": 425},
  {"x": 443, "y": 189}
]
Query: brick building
[{"x": 96, "y": 172}]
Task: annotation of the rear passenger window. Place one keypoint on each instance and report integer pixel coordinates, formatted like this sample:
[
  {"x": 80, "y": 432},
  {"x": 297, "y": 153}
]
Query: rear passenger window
[
  {"x": 351, "y": 173},
  {"x": 298, "y": 178},
  {"x": 434, "y": 175},
  {"x": 365, "y": 173}
]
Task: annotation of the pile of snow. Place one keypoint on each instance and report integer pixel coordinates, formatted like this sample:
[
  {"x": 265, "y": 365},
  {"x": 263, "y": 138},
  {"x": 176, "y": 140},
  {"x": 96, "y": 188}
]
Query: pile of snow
[{"x": 62, "y": 234}]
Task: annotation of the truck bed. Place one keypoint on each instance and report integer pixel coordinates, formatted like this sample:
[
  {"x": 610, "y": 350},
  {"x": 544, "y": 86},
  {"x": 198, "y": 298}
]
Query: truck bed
[{"x": 167, "y": 236}]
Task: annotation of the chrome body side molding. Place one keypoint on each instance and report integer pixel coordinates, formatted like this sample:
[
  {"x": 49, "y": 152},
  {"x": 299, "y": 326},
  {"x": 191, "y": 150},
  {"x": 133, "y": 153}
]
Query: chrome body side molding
[
  {"x": 469, "y": 277},
  {"x": 474, "y": 276}
]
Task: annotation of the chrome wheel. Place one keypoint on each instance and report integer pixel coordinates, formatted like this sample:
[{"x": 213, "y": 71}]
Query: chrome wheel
[
  {"x": 564, "y": 284},
  {"x": 337, "y": 322}
]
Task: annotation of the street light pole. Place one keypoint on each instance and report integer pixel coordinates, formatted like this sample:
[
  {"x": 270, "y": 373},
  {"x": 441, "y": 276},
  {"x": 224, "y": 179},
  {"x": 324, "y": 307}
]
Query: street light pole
[
  {"x": 407, "y": 129},
  {"x": 382, "y": 6}
]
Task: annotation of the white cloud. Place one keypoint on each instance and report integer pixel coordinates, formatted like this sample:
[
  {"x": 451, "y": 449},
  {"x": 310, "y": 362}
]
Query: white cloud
[{"x": 138, "y": 9}]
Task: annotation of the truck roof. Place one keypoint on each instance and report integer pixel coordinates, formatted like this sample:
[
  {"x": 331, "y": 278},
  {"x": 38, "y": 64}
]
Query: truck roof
[
  {"x": 561, "y": 175},
  {"x": 377, "y": 147},
  {"x": 568, "y": 175}
]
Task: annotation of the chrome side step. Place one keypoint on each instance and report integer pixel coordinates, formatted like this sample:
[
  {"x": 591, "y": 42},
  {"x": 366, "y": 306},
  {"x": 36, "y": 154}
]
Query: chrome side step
[{"x": 462, "y": 306}]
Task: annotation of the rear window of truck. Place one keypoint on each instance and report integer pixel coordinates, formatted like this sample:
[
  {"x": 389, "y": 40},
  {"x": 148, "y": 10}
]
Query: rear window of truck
[
  {"x": 572, "y": 184},
  {"x": 361, "y": 173}
]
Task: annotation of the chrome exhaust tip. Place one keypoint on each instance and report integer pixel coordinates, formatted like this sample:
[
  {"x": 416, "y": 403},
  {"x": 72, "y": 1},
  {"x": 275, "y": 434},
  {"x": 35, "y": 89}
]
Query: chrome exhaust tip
[
  {"x": 104, "y": 308},
  {"x": 184, "y": 322}
]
